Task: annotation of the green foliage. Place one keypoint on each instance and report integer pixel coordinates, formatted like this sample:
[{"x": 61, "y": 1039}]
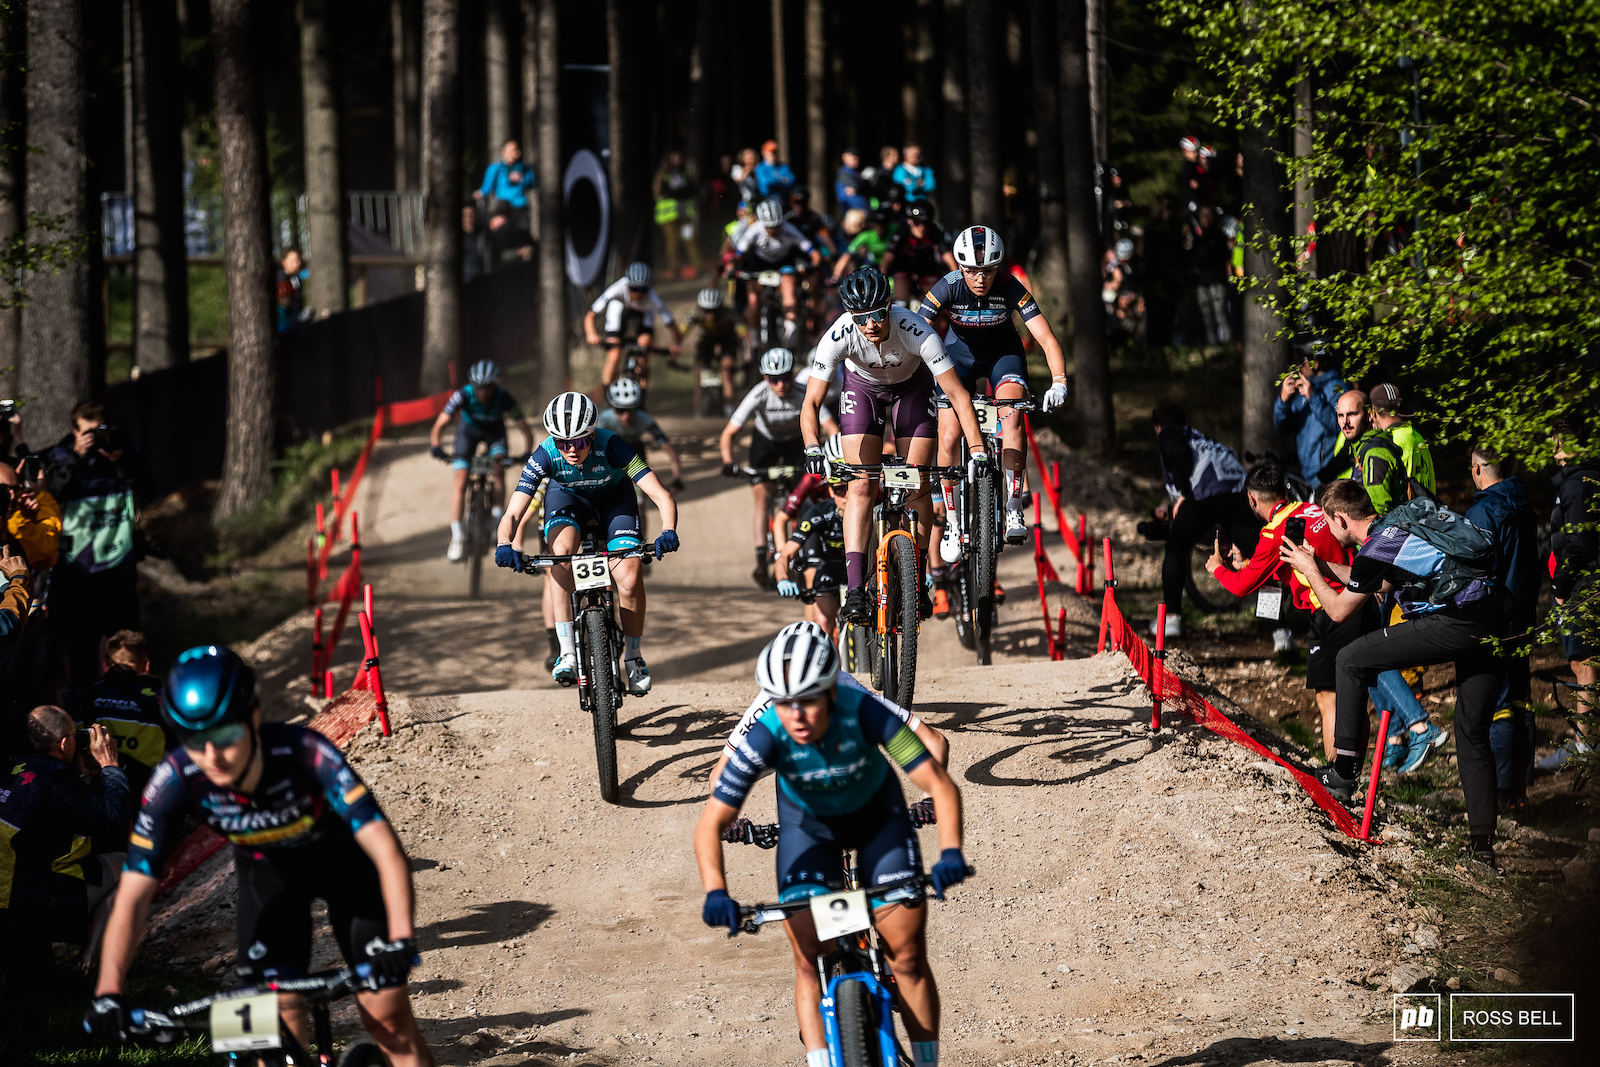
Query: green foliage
[{"x": 299, "y": 480}]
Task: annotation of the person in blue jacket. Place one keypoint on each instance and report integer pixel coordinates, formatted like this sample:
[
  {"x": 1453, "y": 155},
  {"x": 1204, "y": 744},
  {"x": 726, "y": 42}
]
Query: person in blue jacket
[
  {"x": 508, "y": 180},
  {"x": 1307, "y": 408}
]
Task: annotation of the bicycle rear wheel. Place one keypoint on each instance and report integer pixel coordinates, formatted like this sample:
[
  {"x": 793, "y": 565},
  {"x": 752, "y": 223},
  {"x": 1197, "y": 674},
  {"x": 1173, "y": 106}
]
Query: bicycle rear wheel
[
  {"x": 903, "y": 564},
  {"x": 858, "y": 1025},
  {"x": 985, "y": 547},
  {"x": 477, "y": 536},
  {"x": 603, "y": 700}
]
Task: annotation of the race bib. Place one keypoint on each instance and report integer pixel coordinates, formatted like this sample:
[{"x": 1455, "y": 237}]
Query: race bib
[
  {"x": 988, "y": 415},
  {"x": 590, "y": 572},
  {"x": 243, "y": 1023},
  {"x": 1269, "y": 601},
  {"x": 840, "y": 914}
]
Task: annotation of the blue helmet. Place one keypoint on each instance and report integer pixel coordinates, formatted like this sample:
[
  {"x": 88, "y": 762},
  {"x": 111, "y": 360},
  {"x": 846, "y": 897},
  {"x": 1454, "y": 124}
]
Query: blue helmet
[{"x": 208, "y": 687}]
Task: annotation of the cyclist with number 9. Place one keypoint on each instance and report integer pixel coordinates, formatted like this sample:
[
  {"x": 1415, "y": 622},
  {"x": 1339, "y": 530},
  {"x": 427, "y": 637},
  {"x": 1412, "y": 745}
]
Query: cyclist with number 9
[{"x": 303, "y": 827}]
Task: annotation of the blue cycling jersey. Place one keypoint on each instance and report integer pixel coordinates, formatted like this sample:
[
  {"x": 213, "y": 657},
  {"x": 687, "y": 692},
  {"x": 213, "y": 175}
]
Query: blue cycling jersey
[
  {"x": 610, "y": 462},
  {"x": 481, "y": 410},
  {"x": 983, "y": 322},
  {"x": 837, "y": 775}
]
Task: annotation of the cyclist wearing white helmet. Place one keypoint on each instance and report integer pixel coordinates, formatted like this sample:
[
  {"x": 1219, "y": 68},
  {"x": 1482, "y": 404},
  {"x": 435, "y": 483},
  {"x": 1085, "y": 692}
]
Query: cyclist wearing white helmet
[
  {"x": 835, "y": 791},
  {"x": 771, "y": 243},
  {"x": 483, "y": 407},
  {"x": 774, "y": 405},
  {"x": 977, "y": 301},
  {"x": 631, "y": 308},
  {"x": 592, "y": 474},
  {"x": 627, "y": 418},
  {"x": 721, "y": 341}
]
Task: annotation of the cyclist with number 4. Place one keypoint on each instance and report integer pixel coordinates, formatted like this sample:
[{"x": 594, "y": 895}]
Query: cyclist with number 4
[
  {"x": 483, "y": 407},
  {"x": 892, "y": 360},
  {"x": 592, "y": 474},
  {"x": 978, "y": 302},
  {"x": 303, "y": 827},
  {"x": 836, "y": 791}
]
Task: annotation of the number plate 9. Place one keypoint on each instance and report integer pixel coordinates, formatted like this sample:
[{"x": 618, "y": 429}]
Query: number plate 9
[
  {"x": 988, "y": 415},
  {"x": 242, "y": 1023},
  {"x": 902, "y": 477},
  {"x": 590, "y": 572},
  {"x": 840, "y": 914}
]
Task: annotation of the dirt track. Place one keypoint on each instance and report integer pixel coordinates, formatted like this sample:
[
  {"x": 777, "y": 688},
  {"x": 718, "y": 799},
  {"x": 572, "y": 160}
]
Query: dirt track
[{"x": 1171, "y": 901}]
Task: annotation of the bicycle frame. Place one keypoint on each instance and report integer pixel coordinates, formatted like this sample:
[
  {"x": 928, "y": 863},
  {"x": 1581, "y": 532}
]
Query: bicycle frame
[
  {"x": 885, "y": 623},
  {"x": 599, "y": 598}
]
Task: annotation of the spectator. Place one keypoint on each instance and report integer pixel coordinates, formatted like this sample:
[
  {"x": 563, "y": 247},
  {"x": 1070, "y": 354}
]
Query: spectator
[
  {"x": 507, "y": 181},
  {"x": 508, "y": 240},
  {"x": 914, "y": 176},
  {"x": 126, "y": 700},
  {"x": 11, "y": 443},
  {"x": 289, "y": 285},
  {"x": 1208, "y": 273},
  {"x": 1414, "y": 454},
  {"x": 1366, "y": 453},
  {"x": 94, "y": 587},
  {"x": 847, "y": 183},
  {"x": 53, "y": 878},
  {"x": 1307, "y": 407},
  {"x": 882, "y": 177},
  {"x": 773, "y": 178},
  {"x": 472, "y": 255},
  {"x": 1436, "y": 564},
  {"x": 1575, "y": 547},
  {"x": 15, "y": 597},
  {"x": 32, "y": 518},
  {"x": 675, "y": 188},
  {"x": 1205, "y": 483},
  {"x": 867, "y": 247},
  {"x": 745, "y": 176},
  {"x": 1195, "y": 180},
  {"x": 1501, "y": 508}
]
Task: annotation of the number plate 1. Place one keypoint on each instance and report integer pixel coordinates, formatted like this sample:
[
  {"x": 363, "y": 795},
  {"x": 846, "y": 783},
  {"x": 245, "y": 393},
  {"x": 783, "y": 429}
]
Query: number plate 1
[
  {"x": 840, "y": 914},
  {"x": 988, "y": 415},
  {"x": 242, "y": 1023},
  {"x": 590, "y": 572},
  {"x": 904, "y": 477}
]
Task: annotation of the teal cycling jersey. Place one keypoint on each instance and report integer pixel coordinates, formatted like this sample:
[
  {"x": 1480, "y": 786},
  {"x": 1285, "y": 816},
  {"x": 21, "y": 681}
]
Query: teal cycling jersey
[
  {"x": 482, "y": 411},
  {"x": 837, "y": 775},
  {"x": 610, "y": 462}
]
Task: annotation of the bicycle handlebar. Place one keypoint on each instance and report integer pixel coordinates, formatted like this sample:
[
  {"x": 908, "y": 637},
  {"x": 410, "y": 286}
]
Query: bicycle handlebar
[
  {"x": 1019, "y": 403},
  {"x": 533, "y": 561},
  {"x": 912, "y": 887},
  {"x": 169, "y": 1024}
]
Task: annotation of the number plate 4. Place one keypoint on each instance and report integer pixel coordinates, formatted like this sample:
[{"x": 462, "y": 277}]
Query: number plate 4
[
  {"x": 243, "y": 1023},
  {"x": 590, "y": 572},
  {"x": 904, "y": 477},
  {"x": 840, "y": 914}
]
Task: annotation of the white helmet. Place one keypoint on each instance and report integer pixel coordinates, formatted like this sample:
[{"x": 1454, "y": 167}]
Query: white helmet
[
  {"x": 570, "y": 415},
  {"x": 979, "y": 246},
  {"x": 777, "y": 361},
  {"x": 484, "y": 371},
  {"x": 625, "y": 394},
  {"x": 804, "y": 626},
  {"x": 798, "y": 664},
  {"x": 769, "y": 213},
  {"x": 709, "y": 299}
]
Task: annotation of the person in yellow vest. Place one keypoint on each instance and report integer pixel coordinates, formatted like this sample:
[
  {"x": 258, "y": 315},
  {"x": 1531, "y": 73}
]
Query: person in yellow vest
[
  {"x": 674, "y": 189},
  {"x": 1414, "y": 454},
  {"x": 32, "y": 517},
  {"x": 126, "y": 700}
]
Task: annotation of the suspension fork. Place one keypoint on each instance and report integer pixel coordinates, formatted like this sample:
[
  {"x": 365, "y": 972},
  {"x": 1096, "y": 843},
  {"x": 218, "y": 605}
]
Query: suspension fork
[{"x": 884, "y": 624}]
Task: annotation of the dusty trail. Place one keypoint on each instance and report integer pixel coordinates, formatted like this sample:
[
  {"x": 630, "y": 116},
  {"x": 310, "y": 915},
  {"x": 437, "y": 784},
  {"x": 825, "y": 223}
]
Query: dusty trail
[{"x": 1168, "y": 901}]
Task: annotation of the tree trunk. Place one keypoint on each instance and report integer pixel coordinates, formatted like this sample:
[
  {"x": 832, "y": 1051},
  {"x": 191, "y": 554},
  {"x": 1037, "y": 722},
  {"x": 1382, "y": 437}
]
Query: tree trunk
[
  {"x": 629, "y": 187},
  {"x": 55, "y": 368},
  {"x": 956, "y": 202},
  {"x": 983, "y": 112},
  {"x": 247, "y": 255},
  {"x": 552, "y": 249},
  {"x": 406, "y": 69},
  {"x": 160, "y": 257},
  {"x": 326, "y": 289},
  {"x": 497, "y": 76},
  {"x": 1099, "y": 77},
  {"x": 703, "y": 69},
  {"x": 441, "y": 146},
  {"x": 1096, "y": 424},
  {"x": 1305, "y": 209},
  {"x": 780, "y": 84},
  {"x": 816, "y": 107},
  {"x": 1264, "y": 223},
  {"x": 12, "y": 39},
  {"x": 1050, "y": 271},
  {"x": 925, "y": 131}
]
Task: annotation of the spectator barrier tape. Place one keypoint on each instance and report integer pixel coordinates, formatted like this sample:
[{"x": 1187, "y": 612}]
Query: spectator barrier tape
[{"x": 1168, "y": 689}]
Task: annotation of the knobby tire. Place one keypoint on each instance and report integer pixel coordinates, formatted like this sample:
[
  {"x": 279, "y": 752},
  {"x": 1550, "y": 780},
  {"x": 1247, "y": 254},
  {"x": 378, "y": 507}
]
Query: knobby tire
[
  {"x": 478, "y": 517},
  {"x": 858, "y": 1024},
  {"x": 603, "y": 700},
  {"x": 903, "y": 564},
  {"x": 985, "y": 547}
]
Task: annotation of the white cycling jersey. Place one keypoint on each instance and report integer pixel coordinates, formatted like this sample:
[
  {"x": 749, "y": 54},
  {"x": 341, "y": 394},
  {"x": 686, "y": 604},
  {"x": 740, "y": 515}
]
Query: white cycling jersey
[
  {"x": 763, "y": 701},
  {"x": 911, "y": 341},
  {"x": 769, "y": 247},
  {"x": 776, "y": 418},
  {"x": 619, "y": 298}
]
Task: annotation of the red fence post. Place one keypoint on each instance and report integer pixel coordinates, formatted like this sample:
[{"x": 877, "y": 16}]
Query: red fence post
[
  {"x": 1082, "y": 585},
  {"x": 1159, "y": 667},
  {"x": 327, "y": 684},
  {"x": 1061, "y": 634},
  {"x": 366, "y": 602},
  {"x": 374, "y": 677},
  {"x": 316, "y": 653},
  {"x": 322, "y": 543},
  {"x": 355, "y": 542},
  {"x": 311, "y": 572},
  {"x": 1040, "y": 563},
  {"x": 1372, "y": 782},
  {"x": 1111, "y": 584},
  {"x": 338, "y": 506}
]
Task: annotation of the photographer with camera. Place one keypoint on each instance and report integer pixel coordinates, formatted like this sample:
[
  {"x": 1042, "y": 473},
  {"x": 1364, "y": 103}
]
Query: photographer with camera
[
  {"x": 94, "y": 588},
  {"x": 1306, "y": 408}
]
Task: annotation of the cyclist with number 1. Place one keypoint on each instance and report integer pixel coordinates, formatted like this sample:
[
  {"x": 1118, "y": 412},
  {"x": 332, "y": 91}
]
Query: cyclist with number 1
[{"x": 483, "y": 407}]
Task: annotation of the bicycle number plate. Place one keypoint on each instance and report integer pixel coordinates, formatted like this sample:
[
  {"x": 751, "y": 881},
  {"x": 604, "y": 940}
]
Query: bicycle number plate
[
  {"x": 780, "y": 474},
  {"x": 243, "y": 1023},
  {"x": 710, "y": 379},
  {"x": 988, "y": 415},
  {"x": 840, "y": 914},
  {"x": 769, "y": 277},
  {"x": 902, "y": 477},
  {"x": 590, "y": 572}
]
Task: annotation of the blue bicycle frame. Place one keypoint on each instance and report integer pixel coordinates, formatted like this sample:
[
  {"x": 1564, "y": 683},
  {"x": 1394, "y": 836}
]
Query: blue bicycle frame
[{"x": 888, "y": 1051}]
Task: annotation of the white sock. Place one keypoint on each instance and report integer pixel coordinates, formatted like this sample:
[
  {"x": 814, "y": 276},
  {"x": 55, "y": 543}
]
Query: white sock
[
  {"x": 495, "y": 513},
  {"x": 455, "y": 531},
  {"x": 818, "y": 1057},
  {"x": 633, "y": 649},
  {"x": 564, "y": 638},
  {"x": 925, "y": 1053}
]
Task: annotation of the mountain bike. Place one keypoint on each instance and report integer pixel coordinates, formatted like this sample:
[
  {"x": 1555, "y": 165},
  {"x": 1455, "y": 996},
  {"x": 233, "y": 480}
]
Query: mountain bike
[
  {"x": 859, "y": 994},
  {"x": 245, "y": 1025},
  {"x": 600, "y": 643},
  {"x": 477, "y": 529},
  {"x": 769, "y": 315},
  {"x": 780, "y": 482},
  {"x": 897, "y": 575}
]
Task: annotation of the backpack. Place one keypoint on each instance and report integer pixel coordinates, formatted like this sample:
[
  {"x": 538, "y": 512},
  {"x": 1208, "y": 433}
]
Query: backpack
[{"x": 1468, "y": 552}]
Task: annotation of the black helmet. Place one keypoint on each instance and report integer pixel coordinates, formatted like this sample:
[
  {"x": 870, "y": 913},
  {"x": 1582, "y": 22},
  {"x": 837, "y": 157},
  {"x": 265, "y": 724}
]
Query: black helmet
[
  {"x": 919, "y": 211},
  {"x": 864, "y": 290}
]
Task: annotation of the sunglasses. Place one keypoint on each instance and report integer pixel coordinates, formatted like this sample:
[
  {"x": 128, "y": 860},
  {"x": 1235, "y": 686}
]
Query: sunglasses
[
  {"x": 229, "y": 733},
  {"x": 870, "y": 316},
  {"x": 774, "y": 379},
  {"x": 982, "y": 272},
  {"x": 575, "y": 444}
]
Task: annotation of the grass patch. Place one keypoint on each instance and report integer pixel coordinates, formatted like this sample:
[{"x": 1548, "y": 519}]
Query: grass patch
[
  {"x": 1296, "y": 731},
  {"x": 299, "y": 480},
  {"x": 42, "y": 1022}
]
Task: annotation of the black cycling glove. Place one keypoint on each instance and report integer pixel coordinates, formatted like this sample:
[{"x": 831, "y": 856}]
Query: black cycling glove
[
  {"x": 816, "y": 462},
  {"x": 392, "y": 960},
  {"x": 438, "y": 452},
  {"x": 730, "y": 471},
  {"x": 107, "y": 1020}
]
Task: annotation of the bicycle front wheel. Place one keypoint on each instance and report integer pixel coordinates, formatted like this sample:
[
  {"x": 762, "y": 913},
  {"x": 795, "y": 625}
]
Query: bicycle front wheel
[
  {"x": 603, "y": 700},
  {"x": 903, "y": 565},
  {"x": 985, "y": 548},
  {"x": 477, "y": 538},
  {"x": 858, "y": 1025}
]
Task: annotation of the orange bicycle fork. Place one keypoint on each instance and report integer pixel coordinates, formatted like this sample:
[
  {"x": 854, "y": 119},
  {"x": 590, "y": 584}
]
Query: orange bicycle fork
[{"x": 885, "y": 622}]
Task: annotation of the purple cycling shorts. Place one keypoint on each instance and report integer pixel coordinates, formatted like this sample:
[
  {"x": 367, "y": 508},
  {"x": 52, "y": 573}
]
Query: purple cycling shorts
[{"x": 867, "y": 407}]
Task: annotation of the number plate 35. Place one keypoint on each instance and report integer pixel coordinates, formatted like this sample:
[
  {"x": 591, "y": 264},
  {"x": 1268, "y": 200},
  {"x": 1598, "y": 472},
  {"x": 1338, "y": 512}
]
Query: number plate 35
[
  {"x": 903, "y": 477},
  {"x": 840, "y": 914},
  {"x": 590, "y": 572},
  {"x": 243, "y": 1023},
  {"x": 988, "y": 415}
]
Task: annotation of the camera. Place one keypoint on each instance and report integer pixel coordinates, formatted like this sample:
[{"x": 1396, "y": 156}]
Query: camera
[
  {"x": 109, "y": 438},
  {"x": 8, "y": 408}
]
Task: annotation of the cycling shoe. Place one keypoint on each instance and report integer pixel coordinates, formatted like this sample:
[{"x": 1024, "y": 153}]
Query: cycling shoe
[
  {"x": 857, "y": 607},
  {"x": 638, "y": 677},
  {"x": 565, "y": 672}
]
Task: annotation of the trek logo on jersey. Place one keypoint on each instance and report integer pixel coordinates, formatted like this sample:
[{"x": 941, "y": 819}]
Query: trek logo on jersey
[{"x": 824, "y": 775}]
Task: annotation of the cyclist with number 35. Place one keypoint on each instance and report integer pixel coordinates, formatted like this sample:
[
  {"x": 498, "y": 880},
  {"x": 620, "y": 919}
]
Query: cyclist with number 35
[
  {"x": 592, "y": 474},
  {"x": 483, "y": 407},
  {"x": 303, "y": 827}
]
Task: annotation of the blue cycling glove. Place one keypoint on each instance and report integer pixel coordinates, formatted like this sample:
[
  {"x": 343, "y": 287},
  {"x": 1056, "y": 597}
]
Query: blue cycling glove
[
  {"x": 667, "y": 542},
  {"x": 950, "y": 870},
  {"x": 788, "y": 588},
  {"x": 438, "y": 452},
  {"x": 721, "y": 910},
  {"x": 506, "y": 556}
]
